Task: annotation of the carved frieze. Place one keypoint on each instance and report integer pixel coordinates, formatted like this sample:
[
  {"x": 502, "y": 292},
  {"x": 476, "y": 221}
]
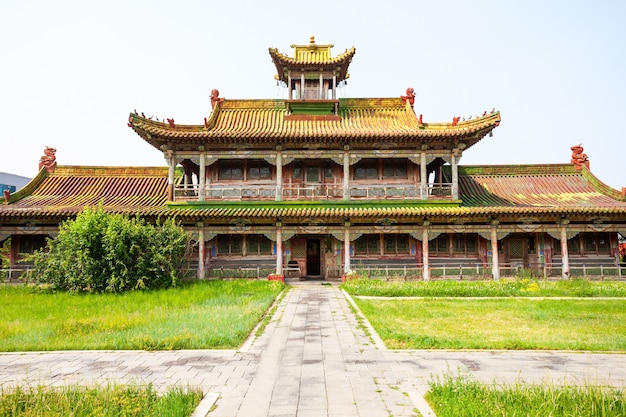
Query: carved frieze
[
  {"x": 500, "y": 234},
  {"x": 239, "y": 225},
  {"x": 556, "y": 234},
  {"x": 386, "y": 225},
  {"x": 419, "y": 233}
]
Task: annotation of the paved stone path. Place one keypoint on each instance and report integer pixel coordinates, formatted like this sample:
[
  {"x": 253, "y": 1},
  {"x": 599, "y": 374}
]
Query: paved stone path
[{"x": 313, "y": 359}]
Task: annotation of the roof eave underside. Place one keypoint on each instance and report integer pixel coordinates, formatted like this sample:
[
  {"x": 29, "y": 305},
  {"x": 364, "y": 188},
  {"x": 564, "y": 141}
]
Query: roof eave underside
[{"x": 217, "y": 213}]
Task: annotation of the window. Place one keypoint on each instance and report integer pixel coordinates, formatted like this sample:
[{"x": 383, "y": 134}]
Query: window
[
  {"x": 396, "y": 244},
  {"x": 31, "y": 243},
  {"x": 258, "y": 245},
  {"x": 259, "y": 169},
  {"x": 439, "y": 245},
  {"x": 596, "y": 243},
  {"x": 230, "y": 169},
  {"x": 313, "y": 173},
  {"x": 395, "y": 168},
  {"x": 366, "y": 169},
  {"x": 297, "y": 169},
  {"x": 367, "y": 245},
  {"x": 328, "y": 169},
  {"x": 465, "y": 243},
  {"x": 229, "y": 245}
]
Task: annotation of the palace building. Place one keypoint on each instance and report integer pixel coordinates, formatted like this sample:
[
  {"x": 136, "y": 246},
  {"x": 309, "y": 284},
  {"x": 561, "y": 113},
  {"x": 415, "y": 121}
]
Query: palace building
[{"x": 316, "y": 186}]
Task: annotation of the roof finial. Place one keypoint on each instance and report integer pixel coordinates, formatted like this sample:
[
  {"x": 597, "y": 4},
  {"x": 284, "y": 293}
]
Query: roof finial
[
  {"x": 410, "y": 96},
  {"x": 48, "y": 160},
  {"x": 578, "y": 157},
  {"x": 215, "y": 97},
  {"x": 312, "y": 39}
]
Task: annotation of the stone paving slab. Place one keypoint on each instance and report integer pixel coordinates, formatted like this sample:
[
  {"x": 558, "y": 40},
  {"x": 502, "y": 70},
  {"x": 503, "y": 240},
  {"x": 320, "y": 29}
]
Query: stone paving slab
[{"x": 313, "y": 359}]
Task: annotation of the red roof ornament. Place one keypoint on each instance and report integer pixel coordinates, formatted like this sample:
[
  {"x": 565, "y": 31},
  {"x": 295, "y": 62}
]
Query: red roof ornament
[
  {"x": 215, "y": 97},
  {"x": 48, "y": 160},
  {"x": 579, "y": 158},
  {"x": 410, "y": 96}
]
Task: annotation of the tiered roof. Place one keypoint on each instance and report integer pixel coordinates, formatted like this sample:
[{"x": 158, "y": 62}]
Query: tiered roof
[
  {"x": 361, "y": 119},
  {"x": 558, "y": 186},
  {"x": 69, "y": 189},
  {"x": 485, "y": 191},
  {"x": 312, "y": 57}
]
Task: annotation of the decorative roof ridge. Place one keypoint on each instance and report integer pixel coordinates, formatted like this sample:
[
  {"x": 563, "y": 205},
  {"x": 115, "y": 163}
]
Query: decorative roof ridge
[
  {"x": 133, "y": 118},
  {"x": 372, "y": 102},
  {"x": 29, "y": 188},
  {"x": 108, "y": 171},
  {"x": 253, "y": 103},
  {"x": 601, "y": 187},
  {"x": 517, "y": 170}
]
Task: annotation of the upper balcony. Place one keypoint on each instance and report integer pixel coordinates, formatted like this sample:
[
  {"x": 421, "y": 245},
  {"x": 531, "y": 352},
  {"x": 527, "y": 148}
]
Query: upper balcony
[{"x": 305, "y": 192}]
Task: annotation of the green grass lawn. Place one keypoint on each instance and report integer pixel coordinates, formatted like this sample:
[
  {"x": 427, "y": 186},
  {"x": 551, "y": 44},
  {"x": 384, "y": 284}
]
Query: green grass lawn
[
  {"x": 200, "y": 315},
  {"x": 464, "y": 397},
  {"x": 503, "y": 288},
  {"x": 595, "y": 325},
  {"x": 505, "y": 316},
  {"x": 109, "y": 401}
]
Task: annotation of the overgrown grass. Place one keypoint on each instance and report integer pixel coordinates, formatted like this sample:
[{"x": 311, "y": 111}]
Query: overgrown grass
[
  {"x": 200, "y": 315},
  {"x": 114, "y": 400},
  {"x": 465, "y": 397},
  {"x": 503, "y": 288},
  {"x": 503, "y": 323}
]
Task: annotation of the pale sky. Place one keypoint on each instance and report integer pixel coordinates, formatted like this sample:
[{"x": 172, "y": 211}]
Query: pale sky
[{"x": 72, "y": 71}]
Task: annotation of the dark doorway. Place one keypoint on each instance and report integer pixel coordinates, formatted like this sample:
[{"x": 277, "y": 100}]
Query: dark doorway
[{"x": 313, "y": 257}]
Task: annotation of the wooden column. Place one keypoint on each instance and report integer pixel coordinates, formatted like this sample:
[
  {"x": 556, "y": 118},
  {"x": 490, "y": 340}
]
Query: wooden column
[
  {"x": 290, "y": 94},
  {"x": 564, "y": 251},
  {"x": 495, "y": 258},
  {"x": 321, "y": 94},
  {"x": 334, "y": 87},
  {"x": 425, "y": 255},
  {"x": 279, "y": 248},
  {"x": 346, "y": 248},
  {"x": 171, "y": 164},
  {"x": 346, "y": 173},
  {"x": 455, "y": 174},
  {"x": 423, "y": 177},
  {"x": 200, "y": 250},
  {"x": 279, "y": 174},
  {"x": 202, "y": 175}
]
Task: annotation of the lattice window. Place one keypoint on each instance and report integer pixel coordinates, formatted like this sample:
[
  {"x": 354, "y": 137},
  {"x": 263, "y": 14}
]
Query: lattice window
[
  {"x": 394, "y": 168},
  {"x": 439, "y": 245},
  {"x": 298, "y": 249},
  {"x": 516, "y": 248},
  {"x": 395, "y": 244},
  {"x": 229, "y": 245},
  {"x": 367, "y": 245},
  {"x": 258, "y": 245}
]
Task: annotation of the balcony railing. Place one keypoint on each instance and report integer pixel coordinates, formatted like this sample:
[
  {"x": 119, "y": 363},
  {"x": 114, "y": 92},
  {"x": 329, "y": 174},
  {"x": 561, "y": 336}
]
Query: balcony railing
[{"x": 314, "y": 192}]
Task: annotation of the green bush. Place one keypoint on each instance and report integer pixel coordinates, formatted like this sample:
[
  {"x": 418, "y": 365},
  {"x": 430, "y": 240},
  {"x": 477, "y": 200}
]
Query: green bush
[{"x": 99, "y": 252}]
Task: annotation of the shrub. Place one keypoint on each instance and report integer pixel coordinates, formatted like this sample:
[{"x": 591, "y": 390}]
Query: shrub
[{"x": 99, "y": 252}]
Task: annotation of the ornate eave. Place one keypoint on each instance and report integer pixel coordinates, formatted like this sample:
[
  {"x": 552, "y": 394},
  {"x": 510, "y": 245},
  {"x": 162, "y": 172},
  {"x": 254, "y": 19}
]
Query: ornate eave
[{"x": 367, "y": 120}]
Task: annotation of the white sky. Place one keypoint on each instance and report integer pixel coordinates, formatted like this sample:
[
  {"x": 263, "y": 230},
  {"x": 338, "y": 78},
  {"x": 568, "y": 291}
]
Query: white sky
[{"x": 72, "y": 71}]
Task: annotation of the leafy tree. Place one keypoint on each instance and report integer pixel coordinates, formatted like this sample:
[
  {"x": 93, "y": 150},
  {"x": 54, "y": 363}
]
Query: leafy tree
[{"x": 99, "y": 251}]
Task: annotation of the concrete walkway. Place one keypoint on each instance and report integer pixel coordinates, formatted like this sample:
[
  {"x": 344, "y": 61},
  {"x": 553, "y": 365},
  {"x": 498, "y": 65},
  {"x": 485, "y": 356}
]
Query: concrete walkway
[{"x": 313, "y": 359}]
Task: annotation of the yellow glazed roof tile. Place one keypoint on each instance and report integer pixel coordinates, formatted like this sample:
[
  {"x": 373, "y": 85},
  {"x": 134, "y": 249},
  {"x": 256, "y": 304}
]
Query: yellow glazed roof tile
[{"x": 263, "y": 121}]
